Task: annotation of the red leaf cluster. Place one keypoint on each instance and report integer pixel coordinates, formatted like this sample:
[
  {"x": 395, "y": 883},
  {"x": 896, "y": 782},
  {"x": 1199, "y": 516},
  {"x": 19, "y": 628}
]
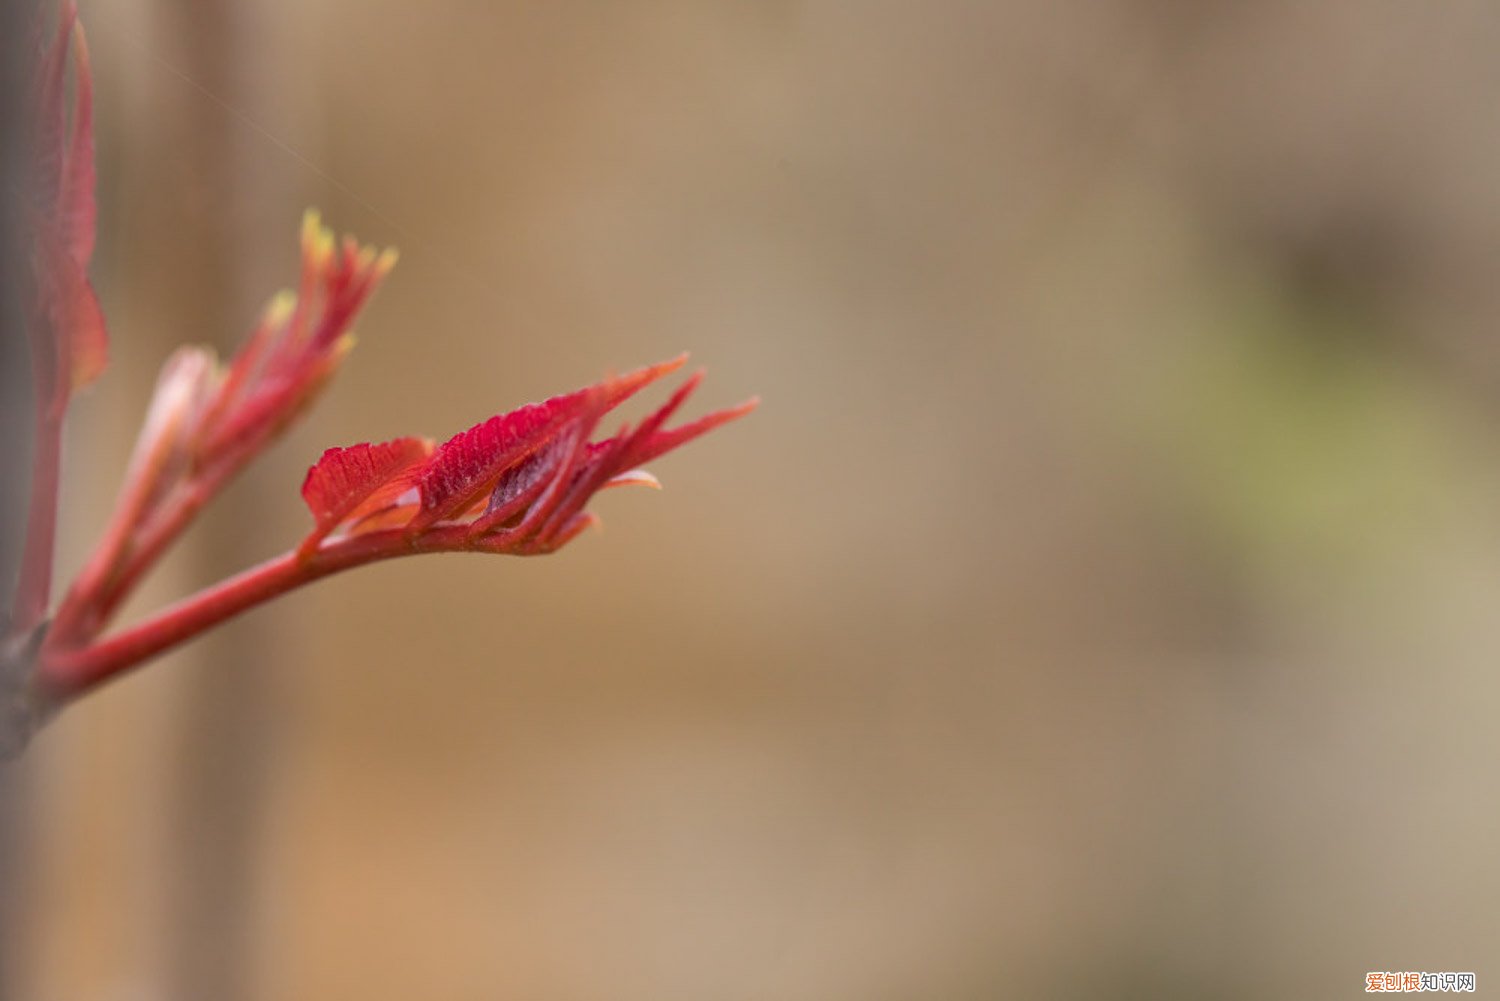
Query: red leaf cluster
[
  {"x": 207, "y": 420},
  {"x": 297, "y": 347},
  {"x": 517, "y": 483}
]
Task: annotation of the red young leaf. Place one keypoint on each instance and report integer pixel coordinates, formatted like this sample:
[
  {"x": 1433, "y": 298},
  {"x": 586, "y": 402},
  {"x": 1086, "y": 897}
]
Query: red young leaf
[
  {"x": 392, "y": 516},
  {"x": 612, "y": 462},
  {"x": 468, "y": 465},
  {"x": 66, "y": 322},
  {"x": 76, "y": 208},
  {"x": 49, "y": 109},
  {"x": 521, "y": 484},
  {"x": 72, "y": 312},
  {"x": 350, "y": 482},
  {"x": 661, "y": 442},
  {"x": 298, "y": 344}
]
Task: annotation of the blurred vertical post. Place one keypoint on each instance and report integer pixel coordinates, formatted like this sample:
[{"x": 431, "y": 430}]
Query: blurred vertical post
[
  {"x": 13, "y": 415},
  {"x": 221, "y": 766},
  {"x": 14, "y": 364},
  {"x": 15, "y": 419}
]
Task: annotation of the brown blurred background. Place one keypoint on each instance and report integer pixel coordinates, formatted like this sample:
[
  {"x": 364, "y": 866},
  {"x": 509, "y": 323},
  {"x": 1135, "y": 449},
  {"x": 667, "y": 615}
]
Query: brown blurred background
[{"x": 1101, "y": 605}]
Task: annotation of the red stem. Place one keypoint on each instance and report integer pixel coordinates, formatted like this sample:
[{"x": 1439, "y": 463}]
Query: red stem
[
  {"x": 130, "y": 549},
  {"x": 97, "y": 602},
  {"x": 65, "y": 673}
]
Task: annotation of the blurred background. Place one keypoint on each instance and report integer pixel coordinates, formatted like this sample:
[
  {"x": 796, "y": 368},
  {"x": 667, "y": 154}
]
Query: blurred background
[{"x": 1101, "y": 605}]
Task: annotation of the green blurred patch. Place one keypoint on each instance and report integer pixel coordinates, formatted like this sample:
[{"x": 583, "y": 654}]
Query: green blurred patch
[{"x": 1302, "y": 439}]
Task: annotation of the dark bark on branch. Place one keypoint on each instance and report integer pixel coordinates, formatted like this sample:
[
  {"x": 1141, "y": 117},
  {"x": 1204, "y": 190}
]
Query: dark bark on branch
[{"x": 15, "y": 431}]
